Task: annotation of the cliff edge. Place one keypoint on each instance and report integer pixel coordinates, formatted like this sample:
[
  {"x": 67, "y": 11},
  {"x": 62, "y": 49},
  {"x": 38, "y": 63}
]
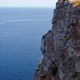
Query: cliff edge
[{"x": 61, "y": 45}]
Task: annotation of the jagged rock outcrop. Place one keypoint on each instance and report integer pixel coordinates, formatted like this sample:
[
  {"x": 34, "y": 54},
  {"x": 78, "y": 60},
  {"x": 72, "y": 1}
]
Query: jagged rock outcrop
[{"x": 61, "y": 45}]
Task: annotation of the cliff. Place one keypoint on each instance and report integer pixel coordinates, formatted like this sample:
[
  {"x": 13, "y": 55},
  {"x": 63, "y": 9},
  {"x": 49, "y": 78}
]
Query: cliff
[{"x": 61, "y": 45}]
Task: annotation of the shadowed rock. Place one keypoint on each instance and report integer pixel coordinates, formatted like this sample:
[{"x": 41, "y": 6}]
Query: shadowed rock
[{"x": 61, "y": 45}]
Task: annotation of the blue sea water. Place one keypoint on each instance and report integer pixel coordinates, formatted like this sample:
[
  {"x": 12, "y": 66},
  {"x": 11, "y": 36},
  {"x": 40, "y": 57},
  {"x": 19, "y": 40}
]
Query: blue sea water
[{"x": 21, "y": 30}]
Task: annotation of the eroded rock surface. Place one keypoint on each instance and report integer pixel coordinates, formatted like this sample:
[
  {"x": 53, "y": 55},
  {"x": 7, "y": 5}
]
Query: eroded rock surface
[{"x": 61, "y": 45}]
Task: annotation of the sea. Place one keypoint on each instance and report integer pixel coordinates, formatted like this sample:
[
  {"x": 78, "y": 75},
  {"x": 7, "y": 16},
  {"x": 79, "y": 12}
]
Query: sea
[{"x": 21, "y": 30}]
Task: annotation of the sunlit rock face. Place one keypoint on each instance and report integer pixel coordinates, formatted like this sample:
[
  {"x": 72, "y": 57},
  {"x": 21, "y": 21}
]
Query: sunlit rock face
[
  {"x": 61, "y": 45},
  {"x": 75, "y": 2}
]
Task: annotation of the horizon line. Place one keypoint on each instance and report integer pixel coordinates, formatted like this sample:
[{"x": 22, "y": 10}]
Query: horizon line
[{"x": 27, "y": 7}]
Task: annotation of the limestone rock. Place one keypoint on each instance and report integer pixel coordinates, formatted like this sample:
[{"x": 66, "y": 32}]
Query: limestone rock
[{"x": 61, "y": 45}]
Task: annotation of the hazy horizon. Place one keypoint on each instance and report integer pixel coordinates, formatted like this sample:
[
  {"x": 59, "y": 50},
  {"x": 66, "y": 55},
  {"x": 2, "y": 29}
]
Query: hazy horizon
[{"x": 27, "y": 3}]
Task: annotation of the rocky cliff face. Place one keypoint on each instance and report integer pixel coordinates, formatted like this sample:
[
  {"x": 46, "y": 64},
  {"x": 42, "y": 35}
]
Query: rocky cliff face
[{"x": 61, "y": 45}]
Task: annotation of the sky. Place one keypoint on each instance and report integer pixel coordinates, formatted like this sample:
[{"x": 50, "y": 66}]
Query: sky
[{"x": 27, "y": 3}]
